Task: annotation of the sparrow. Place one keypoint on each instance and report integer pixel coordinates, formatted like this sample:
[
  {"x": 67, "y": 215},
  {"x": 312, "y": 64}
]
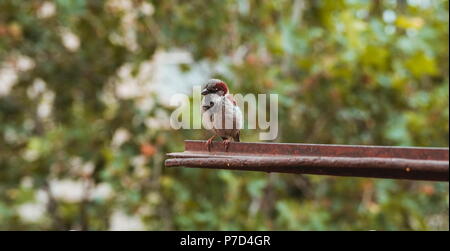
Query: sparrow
[{"x": 220, "y": 113}]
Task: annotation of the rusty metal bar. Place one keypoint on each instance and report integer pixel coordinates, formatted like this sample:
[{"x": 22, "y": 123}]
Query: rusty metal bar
[{"x": 415, "y": 163}]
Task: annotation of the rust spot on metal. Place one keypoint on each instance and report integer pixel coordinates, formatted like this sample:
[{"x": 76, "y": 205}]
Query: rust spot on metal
[{"x": 339, "y": 160}]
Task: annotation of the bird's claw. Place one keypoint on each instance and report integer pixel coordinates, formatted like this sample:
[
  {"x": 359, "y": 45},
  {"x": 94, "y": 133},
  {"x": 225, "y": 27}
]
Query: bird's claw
[
  {"x": 226, "y": 143},
  {"x": 209, "y": 143}
]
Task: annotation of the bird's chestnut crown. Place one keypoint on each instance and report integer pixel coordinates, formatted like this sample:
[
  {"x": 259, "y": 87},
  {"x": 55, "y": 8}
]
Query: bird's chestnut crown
[{"x": 215, "y": 86}]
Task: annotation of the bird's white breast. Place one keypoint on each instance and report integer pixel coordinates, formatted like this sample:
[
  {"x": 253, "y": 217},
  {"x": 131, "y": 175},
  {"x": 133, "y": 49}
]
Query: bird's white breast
[{"x": 223, "y": 115}]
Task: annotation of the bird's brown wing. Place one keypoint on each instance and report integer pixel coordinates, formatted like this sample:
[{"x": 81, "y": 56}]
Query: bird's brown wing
[{"x": 230, "y": 97}]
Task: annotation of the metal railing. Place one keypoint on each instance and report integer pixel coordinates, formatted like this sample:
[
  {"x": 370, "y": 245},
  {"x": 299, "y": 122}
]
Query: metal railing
[{"x": 413, "y": 163}]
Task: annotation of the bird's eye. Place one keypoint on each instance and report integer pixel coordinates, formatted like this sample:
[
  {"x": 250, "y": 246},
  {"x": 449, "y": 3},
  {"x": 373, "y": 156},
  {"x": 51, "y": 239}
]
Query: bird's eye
[{"x": 211, "y": 103}]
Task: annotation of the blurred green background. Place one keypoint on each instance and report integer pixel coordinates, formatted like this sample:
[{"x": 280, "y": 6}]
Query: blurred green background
[{"x": 84, "y": 106}]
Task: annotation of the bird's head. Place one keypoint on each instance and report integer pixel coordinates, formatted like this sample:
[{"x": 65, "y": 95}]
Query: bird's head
[{"x": 215, "y": 86}]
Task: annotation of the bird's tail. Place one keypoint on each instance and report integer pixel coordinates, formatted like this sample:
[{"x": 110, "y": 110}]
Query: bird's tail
[{"x": 236, "y": 137}]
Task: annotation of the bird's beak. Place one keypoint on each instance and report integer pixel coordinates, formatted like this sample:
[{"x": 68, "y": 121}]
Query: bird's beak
[{"x": 205, "y": 91}]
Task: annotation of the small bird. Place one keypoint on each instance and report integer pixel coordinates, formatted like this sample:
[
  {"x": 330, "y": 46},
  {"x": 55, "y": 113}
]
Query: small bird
[{"x": 221, "y": 113}]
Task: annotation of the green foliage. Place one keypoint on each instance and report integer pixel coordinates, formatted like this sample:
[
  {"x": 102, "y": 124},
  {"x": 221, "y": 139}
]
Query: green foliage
[{"x": 75, "y": 154}]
